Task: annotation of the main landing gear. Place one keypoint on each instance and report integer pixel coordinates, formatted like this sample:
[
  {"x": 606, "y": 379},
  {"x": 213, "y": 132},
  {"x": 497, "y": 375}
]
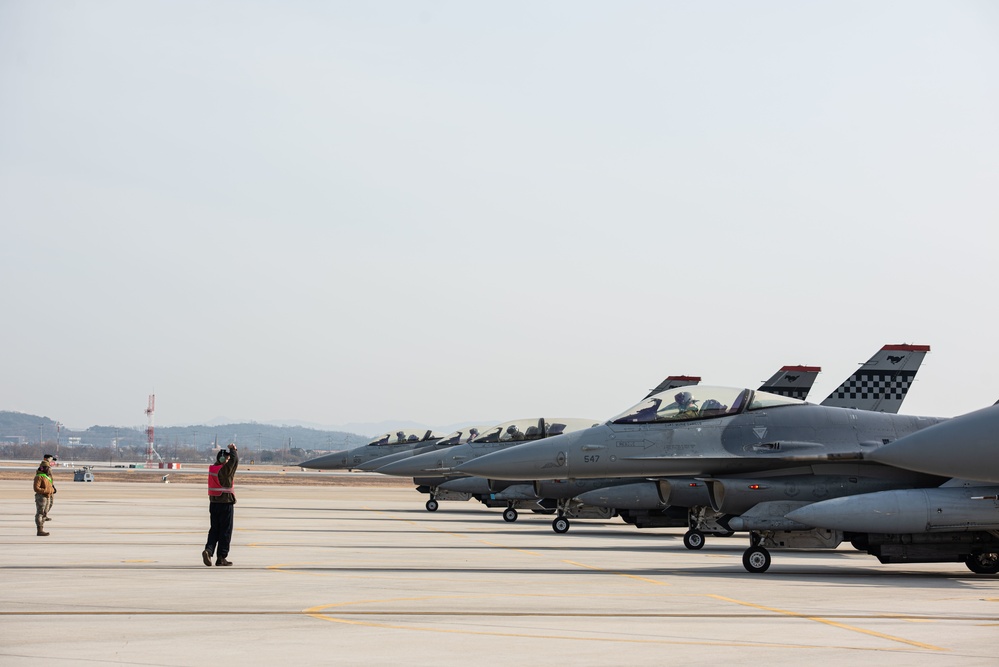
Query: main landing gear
[
  {"x": 560, "y": 525},
  {"x": 756, "y": 559},
  {"x": 432, "y": 505},
  {"x": 983, "y": 563},
  {"x": 509, "y": 515}
]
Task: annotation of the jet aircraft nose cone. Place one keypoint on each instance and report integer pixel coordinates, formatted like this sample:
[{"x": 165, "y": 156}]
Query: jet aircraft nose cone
[
  {"x": 329, "y": 461},
  {"x": 966, "y": 447},
  {"x": 413, "y": 466},
  {"x": 541, "y": 459}
]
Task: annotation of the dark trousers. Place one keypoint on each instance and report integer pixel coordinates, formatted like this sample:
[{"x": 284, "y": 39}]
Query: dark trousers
[{"x": 221, "y": 531}]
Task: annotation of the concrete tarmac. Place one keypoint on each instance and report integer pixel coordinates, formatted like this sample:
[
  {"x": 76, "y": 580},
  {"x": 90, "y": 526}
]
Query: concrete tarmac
[{"x": 367, "y": 576}]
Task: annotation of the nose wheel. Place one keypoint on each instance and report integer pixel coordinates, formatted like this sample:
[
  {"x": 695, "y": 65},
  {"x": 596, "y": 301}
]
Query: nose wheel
[
  {"x": 693, "y": 540},
  {"x": 509, "y": 515},
  {"x": 756, "y": 559},
  {"x": 560, "y": 525},
  {"x": 432, "y": 505}
]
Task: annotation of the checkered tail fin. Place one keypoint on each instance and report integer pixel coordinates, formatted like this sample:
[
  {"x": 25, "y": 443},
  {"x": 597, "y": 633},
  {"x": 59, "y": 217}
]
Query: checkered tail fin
[
  {"x": 792, "y": 381},
  {"x": 881, "y": 384},
  {"x": 674, "y": 381}
]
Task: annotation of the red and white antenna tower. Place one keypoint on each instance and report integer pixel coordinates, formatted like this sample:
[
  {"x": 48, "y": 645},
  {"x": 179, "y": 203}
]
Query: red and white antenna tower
[{"x": 150, "y": 450}]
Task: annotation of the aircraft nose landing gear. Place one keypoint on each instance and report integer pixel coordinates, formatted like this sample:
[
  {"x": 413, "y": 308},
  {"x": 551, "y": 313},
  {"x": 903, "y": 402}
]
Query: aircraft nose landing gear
[
  {"x": 756, "y": 559},
  {"x": 693, "y": 539},
  {"x": 560, "y": 525},
  {"x": 509, "y": 515}
]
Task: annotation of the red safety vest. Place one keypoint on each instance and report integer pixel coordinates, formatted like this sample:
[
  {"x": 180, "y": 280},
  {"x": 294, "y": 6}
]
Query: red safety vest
[{"x": 215, "y": 487}]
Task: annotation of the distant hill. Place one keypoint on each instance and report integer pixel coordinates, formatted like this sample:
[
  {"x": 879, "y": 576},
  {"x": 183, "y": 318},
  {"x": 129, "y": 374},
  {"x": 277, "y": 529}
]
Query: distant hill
[{"x": 21, "y": 428}]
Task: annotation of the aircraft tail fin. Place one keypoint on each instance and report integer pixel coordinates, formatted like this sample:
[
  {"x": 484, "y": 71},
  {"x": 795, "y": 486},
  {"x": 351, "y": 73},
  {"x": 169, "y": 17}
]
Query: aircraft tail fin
[
  {"x": 880, "y": 384},
  {"x": 674, "y": 381},
  {"x": 792, "y": 381}
]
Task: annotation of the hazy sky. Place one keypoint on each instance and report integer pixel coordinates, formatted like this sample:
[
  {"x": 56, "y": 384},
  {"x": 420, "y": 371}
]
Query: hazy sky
[{"x": 456, "y": 211}]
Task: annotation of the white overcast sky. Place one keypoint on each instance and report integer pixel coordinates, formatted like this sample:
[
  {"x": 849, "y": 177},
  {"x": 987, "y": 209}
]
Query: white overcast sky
[{"x": 467, "y": 211}]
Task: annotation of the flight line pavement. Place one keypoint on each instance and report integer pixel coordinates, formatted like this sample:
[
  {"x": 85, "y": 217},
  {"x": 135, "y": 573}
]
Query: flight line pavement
[{"x": 365, "y": 575}]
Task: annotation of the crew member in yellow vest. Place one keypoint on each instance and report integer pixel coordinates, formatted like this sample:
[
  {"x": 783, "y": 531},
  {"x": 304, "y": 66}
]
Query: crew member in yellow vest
[
  {"x": 44, "y": 490},
  {"x": 221, "y": 502}
]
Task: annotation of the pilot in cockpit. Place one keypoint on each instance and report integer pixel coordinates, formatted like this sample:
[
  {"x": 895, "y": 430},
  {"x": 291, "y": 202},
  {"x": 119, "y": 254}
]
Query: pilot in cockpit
[
  {"x": 685, "y": 403},
  {"x": 400, "y": 436},
  {"x": 514, "y": 433}
]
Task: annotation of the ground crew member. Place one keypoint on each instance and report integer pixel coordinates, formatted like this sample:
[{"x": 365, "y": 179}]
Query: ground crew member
[
  {"x": 44, "y": 490},
  {"x": 221, "y": 501}
]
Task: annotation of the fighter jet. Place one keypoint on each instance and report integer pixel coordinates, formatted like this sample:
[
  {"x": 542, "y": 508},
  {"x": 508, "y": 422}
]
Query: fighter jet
[
  {"x": 761, "y": 455},
  {"x": 433, "y": 471},
  {"x": 569, "y": 497},
  {"x": 958, "y": 521},
  {"x": 387, "y": 443},
  {"x": 880, "y": 384}
]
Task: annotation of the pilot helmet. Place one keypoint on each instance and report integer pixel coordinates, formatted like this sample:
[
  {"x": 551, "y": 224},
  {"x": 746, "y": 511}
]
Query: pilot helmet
[
  {"x": 512, "y": 428},
  {"x": 683, "y": 397}
]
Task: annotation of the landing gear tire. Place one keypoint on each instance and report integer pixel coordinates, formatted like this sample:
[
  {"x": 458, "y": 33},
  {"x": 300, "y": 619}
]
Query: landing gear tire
[
  {"x": 432, "y": 505},
  {"x": 693, "y": 540},
  {"x": 509, "y": 515},
  {"x": 983, "y": 563},
  {"x": 560, "y": 525},
  {"x": 756, "y": 560}
]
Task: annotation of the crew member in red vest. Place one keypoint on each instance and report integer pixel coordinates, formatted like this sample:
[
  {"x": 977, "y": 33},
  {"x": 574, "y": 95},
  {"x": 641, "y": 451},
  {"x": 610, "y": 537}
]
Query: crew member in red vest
[{"x": 221, "y": 499}]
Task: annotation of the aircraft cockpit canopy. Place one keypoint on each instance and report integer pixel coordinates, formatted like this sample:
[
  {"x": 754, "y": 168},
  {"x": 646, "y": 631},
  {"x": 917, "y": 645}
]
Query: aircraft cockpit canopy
[
  {"x": 404, "y": 436},
  {"x": 700, "y": 402},
  {"x": 530, "y": 429},
  {"x": 462, "y": 435}
]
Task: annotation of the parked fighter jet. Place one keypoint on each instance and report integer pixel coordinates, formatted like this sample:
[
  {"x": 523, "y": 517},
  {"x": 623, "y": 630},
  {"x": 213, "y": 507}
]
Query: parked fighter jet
[
  {"x": 568, "y": 495},
  {"x": 958, "y": 521},
  {"x": 761, "y": 454},
  {"x": 880, "y": 384},
  {"x": 387, "y": 443},
  {"x": 432, "y": 470}
]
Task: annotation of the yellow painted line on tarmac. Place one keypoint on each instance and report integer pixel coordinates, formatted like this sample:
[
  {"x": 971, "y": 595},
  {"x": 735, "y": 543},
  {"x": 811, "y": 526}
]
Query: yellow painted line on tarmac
[
  {"x": 826, "y": 621},
  {"x": 620, "y": 574},
  {"x": 139, "y": 560}
]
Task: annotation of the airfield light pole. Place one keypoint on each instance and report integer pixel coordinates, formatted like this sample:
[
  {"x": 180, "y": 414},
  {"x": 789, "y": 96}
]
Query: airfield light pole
[{"x": 149, "y": 430}]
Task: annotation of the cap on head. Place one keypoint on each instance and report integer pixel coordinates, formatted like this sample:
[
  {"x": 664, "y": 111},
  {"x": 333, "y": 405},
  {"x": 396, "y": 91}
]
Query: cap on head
[{"x": 51, "y": 456}]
